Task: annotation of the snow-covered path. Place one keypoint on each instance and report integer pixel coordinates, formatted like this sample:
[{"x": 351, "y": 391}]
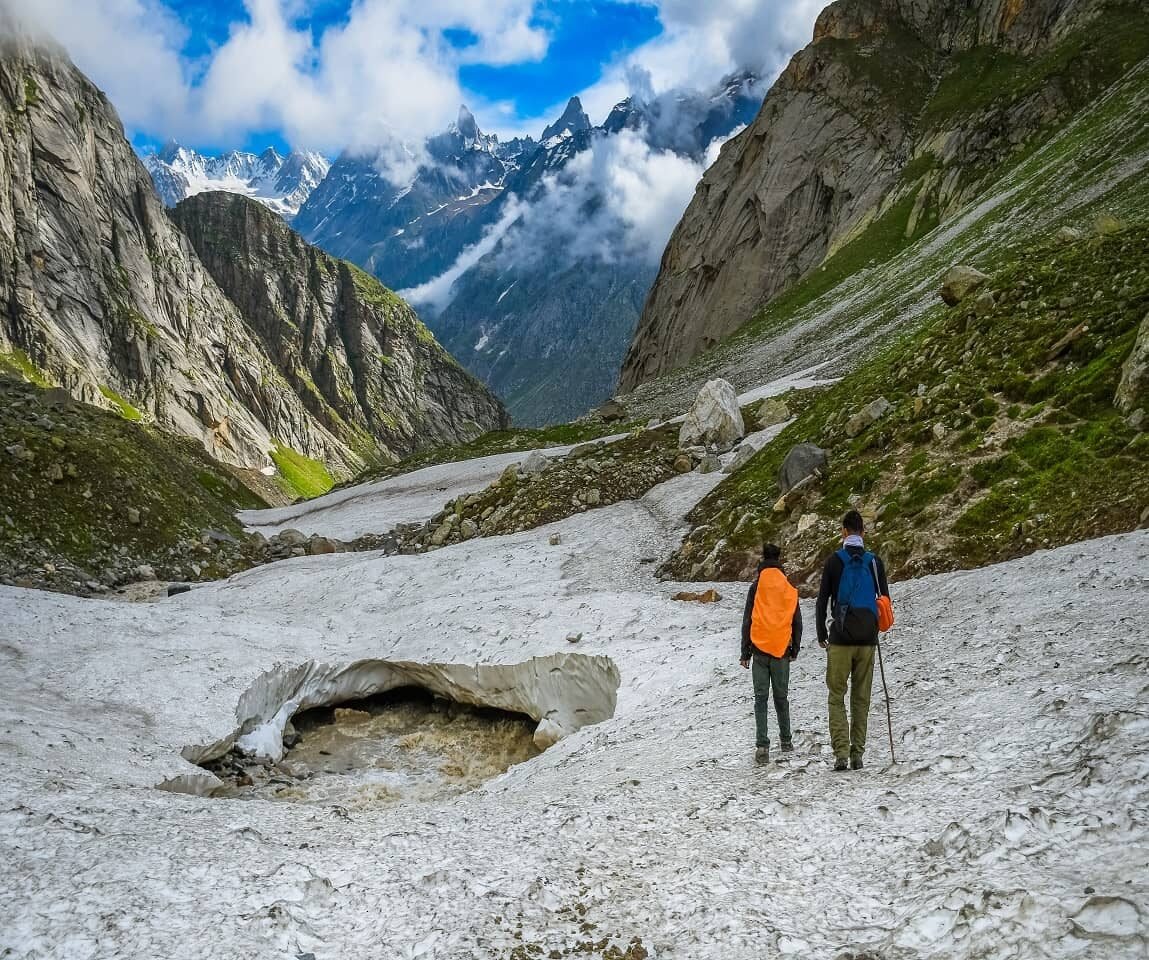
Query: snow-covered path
[
  {"x": 378, "y": 507},
  {"x": 1014, "y": 826}
]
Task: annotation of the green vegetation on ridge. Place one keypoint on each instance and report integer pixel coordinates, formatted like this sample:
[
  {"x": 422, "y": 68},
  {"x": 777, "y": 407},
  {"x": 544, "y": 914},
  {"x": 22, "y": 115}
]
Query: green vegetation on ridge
[
  {"x": 300, "y": 476},
  {"x": 89, "y": 495},
  {"x": 1002, "y": 435}
]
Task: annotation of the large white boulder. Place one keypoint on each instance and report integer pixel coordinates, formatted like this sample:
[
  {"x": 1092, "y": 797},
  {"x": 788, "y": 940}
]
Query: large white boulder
[{"x": 714, "y": 419}]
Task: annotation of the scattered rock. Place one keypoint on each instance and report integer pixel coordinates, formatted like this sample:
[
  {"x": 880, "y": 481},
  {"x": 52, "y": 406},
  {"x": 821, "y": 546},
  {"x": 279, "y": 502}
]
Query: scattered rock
[
  {"x": 145, "y": 571},
  {"x": 985, "y": 303},
  {"x": 1067, "y": 235},
  {"x": 217, "y": 536},
  {"x": 555, "y": 539},
  {"x": 611, "y": 412},
  {"x": 683, "y": 463},
  {"x": 803, "y": 460},
  {"x": 319, "y": 546},
  {"x": 708, "y": 596},
  {"x": 574, "y": 637},
  {"x": 291, "y": 537},
  {"x": 1136, "y": 419},
  {"x": 592, "y": 497},
  {"x": 741, "y": 456},
  {"x": 869, "y": 414},
  {"x": 1134, "y": 371},
  {"x": 535, "y": 463},
  {"x": 470, "y": 529},
  {"x": 510, "y": 476},
  {"x": 772, "y": 412},
  {"x": 56, "y": 473},
  {"x": 710, "y": 464},
  {"x": 959, "y": 283},
  {"x": 133, "y": 515},
  {"x": 806, "y": 522},
  {"x": 1066, "y": 342},
  {"x": 442, "y": 532},
  {"x": 1106, "y": 225},
  {"x": 714, "y": 419},
  {"x": 939, "y": 431}
]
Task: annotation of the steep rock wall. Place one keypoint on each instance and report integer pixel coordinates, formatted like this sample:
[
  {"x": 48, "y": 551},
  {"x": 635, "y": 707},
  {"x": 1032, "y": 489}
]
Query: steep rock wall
[
  {"x": 834, "y": 135},
  {"x": 101, "y": 293},
  {"x": 365, "y": 366}
]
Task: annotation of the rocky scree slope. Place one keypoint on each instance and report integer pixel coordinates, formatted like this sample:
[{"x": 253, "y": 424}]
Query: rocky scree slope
[
  {"x": 90, "y": 500},
  {"x": 1011, "y": 422},
  {"x": 102, "y": 294},
  {"x": 893, "y": 103},
  {"x": 364, "y": 365}
]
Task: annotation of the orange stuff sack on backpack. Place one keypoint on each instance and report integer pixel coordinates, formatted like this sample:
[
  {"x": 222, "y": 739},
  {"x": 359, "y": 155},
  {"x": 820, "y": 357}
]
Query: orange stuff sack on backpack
[
  {"x": 885, "y": 605},
  {"x": 885, "y": 613}
]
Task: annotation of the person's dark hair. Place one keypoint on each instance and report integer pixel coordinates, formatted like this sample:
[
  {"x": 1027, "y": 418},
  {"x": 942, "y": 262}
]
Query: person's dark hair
[
  {"x": 771, "y": 552},
  {"x": 852, "y": 522}
]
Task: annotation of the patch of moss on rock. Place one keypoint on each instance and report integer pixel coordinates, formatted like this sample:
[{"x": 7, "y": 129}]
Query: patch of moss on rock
[
  {"x": 127, "y": 411},
  {"x": 301, "y": 476}
]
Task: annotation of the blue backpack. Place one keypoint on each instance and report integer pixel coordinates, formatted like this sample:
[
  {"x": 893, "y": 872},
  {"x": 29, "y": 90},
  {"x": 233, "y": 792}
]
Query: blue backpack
[{"x": 857, "y": 591}]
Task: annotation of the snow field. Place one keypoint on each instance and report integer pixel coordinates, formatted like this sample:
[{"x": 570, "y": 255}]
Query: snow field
[{"x": 1014, "y": 825}]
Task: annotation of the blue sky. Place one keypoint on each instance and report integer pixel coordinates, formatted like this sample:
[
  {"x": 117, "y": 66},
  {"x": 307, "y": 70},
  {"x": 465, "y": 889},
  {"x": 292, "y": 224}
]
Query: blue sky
[
  {"x": 584, "y": 38},
  {"x": 333, "y": 74}
]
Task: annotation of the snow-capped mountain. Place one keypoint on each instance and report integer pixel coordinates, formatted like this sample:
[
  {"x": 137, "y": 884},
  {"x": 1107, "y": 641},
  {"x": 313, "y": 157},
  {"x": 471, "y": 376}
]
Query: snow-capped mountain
[
  {"x": 487, "y": 238},
  {"x": 412, "y": 231},
  {"x": 281, "y": 183}
]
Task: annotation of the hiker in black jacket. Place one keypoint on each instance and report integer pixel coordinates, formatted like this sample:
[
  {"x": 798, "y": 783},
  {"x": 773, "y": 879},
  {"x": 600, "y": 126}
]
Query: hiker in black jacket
[{"x": 851, "y": 581}]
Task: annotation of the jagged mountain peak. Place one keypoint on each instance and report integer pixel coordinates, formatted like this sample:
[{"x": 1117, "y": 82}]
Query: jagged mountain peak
[
  {"x": 573, "y": 119},
  {"x": 466, "y": 124}
]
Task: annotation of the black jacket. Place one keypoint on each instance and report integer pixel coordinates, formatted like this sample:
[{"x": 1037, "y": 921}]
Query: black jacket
[
  {"x": 748, "y": 615},
  {"x": 857, "y": 634}
]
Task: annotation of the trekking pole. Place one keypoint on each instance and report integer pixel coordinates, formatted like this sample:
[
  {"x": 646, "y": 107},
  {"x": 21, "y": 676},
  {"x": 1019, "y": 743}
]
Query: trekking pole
[{"x": 886, "y": 691}]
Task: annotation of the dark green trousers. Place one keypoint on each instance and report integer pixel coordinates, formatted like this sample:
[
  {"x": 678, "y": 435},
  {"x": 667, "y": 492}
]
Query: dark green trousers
[
  {"x": 853, "y": 666},
  {"x": 771, "y": 676}
]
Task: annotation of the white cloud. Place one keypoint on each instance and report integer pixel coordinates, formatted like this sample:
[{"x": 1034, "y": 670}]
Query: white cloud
[
  {"x": 436, "y": 293},
  {"x": 386, "y": 72}
]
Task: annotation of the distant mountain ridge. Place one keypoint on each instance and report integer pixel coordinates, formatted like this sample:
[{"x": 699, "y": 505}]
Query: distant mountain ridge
[
  {"x": 281, "y": 183},
  {"x": 548, "y": 335}
]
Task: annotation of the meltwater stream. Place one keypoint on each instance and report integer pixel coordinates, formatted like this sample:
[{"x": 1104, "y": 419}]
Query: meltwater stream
[{"x": 404, "y": 746}]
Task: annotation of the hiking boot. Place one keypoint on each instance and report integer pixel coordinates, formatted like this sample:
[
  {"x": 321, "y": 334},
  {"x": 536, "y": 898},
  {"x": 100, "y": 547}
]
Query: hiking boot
[
  {"x": 762, "y": 755},
  {"x": 841, "y": 764},
  {"x": 856, "y": 763},
  {"x": 787, "y": 746}
]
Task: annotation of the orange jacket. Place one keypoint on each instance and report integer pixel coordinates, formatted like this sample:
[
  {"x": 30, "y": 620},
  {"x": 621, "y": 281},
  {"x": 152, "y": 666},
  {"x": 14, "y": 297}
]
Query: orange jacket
[{"x": 772, "y": 618}]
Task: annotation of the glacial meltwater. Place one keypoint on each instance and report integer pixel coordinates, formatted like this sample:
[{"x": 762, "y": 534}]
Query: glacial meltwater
[{"x": 404, "y": 746}]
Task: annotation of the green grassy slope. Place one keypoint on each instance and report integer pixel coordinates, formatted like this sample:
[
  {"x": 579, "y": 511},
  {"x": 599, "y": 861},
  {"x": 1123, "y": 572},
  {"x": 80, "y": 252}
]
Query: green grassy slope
[
  {"x": 996, "y": 443},
  {"x": 86, "y": 495}
]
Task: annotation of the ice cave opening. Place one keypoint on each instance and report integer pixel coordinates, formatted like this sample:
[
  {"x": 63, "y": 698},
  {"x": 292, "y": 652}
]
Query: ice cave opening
[
  {"x": 394, "y": 731},
  {"x": 403, "y": 745}
]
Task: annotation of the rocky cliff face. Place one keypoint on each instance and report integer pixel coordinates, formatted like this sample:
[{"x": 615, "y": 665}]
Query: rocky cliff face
[
  {"x": 877, "y": 94},
  {"x": 102, "y": 294},
  {"x": 364, "y": 365}
]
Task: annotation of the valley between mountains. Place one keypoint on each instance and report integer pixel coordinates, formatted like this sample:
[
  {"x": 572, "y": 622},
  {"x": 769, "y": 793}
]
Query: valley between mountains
[{"x": 374, "y": 542}]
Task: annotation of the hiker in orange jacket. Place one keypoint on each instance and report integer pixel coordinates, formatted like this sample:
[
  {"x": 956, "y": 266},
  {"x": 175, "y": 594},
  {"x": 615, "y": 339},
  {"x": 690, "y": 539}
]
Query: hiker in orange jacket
[{"x": 772, "y": 636}]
